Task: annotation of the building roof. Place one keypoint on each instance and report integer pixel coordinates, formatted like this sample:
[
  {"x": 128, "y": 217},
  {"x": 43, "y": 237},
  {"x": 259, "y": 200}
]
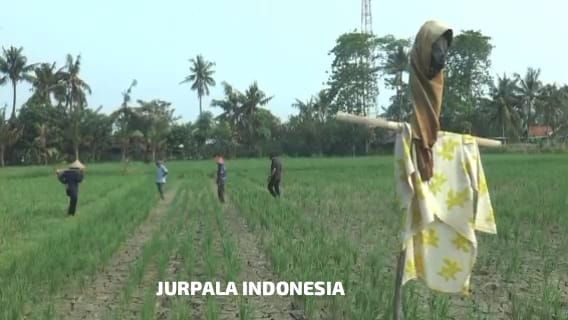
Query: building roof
[{"x": 540, "y": 131}]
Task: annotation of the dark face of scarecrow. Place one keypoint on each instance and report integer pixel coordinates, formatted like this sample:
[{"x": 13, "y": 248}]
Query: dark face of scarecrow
[{"x": 439, "y": 55}]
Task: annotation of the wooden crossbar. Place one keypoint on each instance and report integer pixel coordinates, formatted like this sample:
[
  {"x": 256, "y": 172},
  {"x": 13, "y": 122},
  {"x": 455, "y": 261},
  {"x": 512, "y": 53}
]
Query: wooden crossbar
[{"x": 397, "y": 126}]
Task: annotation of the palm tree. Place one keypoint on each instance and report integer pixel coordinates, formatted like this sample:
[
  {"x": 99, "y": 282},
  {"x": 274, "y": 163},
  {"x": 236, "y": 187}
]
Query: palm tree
[
  {"x": 75, "y": 86},
  {"x": 75, "y": 96},
  {"x": 203, "y": 128},
  {"x": 306, "y": 108},
  {"x": 9, "y": 135},
  {"x": 322, "y": 104},
  {"x": 230, "y": 105},
  {"x": 201, "y": 77},
  {"x": 14, "y": 66},
  {"x": 505, "y": 98},
  {"x": 41, "y": 141},
  {"x": 122, "y": 119},
  {"x": 396, "y": 64},
  {"x": 126, "y": 95},
  {"x": 157, "y": 118},
  {"x": 563, "y": 108},
  {"x": 44, "y": 84},
  {"x": 314, "y": 109},
  {"x": 552, "y": 105},
  {"x": 529, "y": 90},
  {"x": 254, "y": 98}
]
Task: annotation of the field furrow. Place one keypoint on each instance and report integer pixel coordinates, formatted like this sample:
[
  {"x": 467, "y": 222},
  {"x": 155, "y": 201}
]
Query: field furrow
[
  {"x": 255, "y": 267},
  {"x": 103, "y": 294}
]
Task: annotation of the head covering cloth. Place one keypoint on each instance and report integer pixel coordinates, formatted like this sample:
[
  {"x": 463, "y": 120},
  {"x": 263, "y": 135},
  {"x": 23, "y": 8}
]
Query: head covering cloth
[{"x": 427, "y": 90}]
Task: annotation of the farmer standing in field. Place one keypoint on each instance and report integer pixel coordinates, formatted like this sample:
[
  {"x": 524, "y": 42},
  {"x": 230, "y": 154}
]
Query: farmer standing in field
[
  {"x": 275, "y": 176},
  {"x": 161, "y": 174},
  {"x": 71, "y": 179},
  {"x": 221, "y": 178}
]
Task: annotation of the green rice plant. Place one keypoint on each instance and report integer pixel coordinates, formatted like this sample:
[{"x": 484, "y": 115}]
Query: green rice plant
[{"x": 335, "y": 222}]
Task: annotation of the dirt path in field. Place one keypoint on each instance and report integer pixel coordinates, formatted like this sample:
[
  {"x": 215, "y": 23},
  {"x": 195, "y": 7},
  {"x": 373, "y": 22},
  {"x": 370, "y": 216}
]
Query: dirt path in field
[
  {"x": 256, "y": 267},
  {"x": 103, "y": 293},
  {"x": 225, "y": 307},
  {"x": 134, "y": 309},
  {"x": 164, "y": 304}
]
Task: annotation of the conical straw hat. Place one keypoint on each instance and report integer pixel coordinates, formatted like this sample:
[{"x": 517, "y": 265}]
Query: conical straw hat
[{"x": 76, "y": 165}]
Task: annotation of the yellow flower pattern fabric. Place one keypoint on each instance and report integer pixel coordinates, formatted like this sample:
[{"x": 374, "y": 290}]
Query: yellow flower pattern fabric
[{"x": 442, "y": 215}]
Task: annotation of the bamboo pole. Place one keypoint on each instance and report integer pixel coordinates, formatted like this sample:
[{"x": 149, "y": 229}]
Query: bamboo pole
[
  {"x": 397, "y": 127},
  {"x": 397, "y": 299}
]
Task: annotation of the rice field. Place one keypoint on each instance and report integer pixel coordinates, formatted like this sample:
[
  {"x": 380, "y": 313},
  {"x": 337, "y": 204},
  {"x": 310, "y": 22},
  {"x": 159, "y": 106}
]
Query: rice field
[{"x": 334, "y": 222}]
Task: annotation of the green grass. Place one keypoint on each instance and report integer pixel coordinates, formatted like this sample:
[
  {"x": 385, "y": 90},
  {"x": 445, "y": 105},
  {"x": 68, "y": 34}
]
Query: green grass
[
  {"x": 43, "y": 250},
  {"x": 335, "y": 222}
]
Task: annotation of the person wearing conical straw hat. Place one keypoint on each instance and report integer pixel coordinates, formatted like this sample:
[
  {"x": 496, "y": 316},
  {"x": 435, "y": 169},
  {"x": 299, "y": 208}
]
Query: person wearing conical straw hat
[
  {"x": 71, "y": 178},
  {"x": 221, "y": 177}
]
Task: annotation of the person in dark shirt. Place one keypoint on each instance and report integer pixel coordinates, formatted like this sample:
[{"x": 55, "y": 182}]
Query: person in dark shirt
[
  {"x": 275, "y": 176},
  {"x": 221, "y": 178},
  {"x": 71, "y": 179}
]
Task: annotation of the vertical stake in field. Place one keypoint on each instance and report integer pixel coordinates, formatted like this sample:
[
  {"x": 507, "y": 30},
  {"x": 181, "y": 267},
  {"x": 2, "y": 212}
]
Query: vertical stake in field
[{"x": 397, "y": 298}]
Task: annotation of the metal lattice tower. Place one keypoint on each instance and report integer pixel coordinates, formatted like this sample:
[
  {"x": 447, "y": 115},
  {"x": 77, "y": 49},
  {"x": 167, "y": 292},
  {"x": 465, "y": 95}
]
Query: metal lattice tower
[
  {"x": 366, "y": 17},
  {"x": 367, "y": 28}
]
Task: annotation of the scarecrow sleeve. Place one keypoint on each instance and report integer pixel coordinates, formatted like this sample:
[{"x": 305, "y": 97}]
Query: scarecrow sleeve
[
  {"x": 483, "y": 211},
  {"x": 404, "y": 186}
]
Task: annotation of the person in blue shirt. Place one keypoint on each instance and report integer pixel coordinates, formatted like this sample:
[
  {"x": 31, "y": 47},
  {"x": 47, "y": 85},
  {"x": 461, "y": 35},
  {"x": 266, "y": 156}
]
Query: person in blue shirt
[
  {"x": 161, "y": 175},
  {"x": 221, "y": 178}
]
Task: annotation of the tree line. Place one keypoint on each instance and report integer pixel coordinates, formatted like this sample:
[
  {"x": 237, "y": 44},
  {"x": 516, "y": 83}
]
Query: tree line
[{"x": 56, "y": 122}]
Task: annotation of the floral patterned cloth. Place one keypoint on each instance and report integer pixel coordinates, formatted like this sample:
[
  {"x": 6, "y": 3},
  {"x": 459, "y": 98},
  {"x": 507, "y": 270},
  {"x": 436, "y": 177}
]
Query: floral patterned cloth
[{"x": 440, "y": 216}]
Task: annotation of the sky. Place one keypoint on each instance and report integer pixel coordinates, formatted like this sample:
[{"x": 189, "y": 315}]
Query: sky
[{"x": 281, "y": 44}]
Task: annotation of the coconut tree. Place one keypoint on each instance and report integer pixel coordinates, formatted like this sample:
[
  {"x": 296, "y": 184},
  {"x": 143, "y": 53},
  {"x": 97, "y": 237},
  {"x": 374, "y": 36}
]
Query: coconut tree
[
  {"x": 201, "y": 77},
  {"x": 322, "y": 105},
  {"x": 44, "y": 84},
  {"x": 504, "y": 100},
  {"x": 395, "y": 66},
  {"x": 15, "y": 68},
  {"x": 123, "y": 121},
  {"x": 552, "y": 106},
  {"x": 306, "y": 110},
  {"x": 529, "y": 91},
  {"x": 157, "y": 118},
  {"x": 9, "y": 135},
  {"x": 249, "y": 122},
  {"x": 230, "y": 105},
  {"x": 253, "y": 99},
  {"x": 76, "y": 90}
]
